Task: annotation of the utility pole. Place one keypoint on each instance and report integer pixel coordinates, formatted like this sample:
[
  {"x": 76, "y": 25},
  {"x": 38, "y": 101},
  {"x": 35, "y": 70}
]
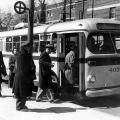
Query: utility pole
[
  {"x": 70, "y": 9},
  {"x": 30, "y": 21},
  {"x": 64, "y": 11},
  {"x": 20, "y": 8},
  {"x": 92, "y": 8}
]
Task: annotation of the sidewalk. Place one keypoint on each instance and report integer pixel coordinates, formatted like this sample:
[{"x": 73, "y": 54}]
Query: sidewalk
[
  {"x": 38, "y": 110},
  {"x": 60, "y": 110}
]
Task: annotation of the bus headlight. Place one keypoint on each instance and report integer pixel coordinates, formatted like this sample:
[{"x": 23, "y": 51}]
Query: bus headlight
[{"x": 91, "y": 78}]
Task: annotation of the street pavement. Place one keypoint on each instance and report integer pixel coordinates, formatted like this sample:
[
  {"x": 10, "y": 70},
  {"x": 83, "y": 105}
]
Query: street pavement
[{"x": 60, "y": 110}]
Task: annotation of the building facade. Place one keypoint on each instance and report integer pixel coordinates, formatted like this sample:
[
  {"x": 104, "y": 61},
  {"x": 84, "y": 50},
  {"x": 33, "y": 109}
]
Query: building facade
[
  {"x": 54, "y": 13},
  {"x": 77, "y": 9},
  {"x": 104, "y": 9}
]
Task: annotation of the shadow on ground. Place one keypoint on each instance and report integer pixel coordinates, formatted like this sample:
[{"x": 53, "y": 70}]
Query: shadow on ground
[
  {"x": 100, "y": 102},
  {"x": 56, "y": 110}
]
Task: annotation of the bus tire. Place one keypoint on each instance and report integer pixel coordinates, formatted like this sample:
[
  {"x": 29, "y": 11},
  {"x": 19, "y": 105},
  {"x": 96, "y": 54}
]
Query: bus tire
[{"x": 82, "y": 95}]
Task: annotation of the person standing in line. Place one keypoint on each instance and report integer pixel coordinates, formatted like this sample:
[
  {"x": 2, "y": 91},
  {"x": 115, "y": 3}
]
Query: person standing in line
[
  {"x": 69, "y": 71},
  {"x": 23, "y": 80},
  {"x": 2, "y": 70},
  {"x": 12, "y": 60},
  {"x": 45, "y": 80},
  {"x": 69, "y": 65}
]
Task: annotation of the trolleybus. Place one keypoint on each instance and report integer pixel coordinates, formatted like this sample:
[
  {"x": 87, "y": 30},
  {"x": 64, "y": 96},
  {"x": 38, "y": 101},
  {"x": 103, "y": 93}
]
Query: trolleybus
[{"x": 97, "y": 67}]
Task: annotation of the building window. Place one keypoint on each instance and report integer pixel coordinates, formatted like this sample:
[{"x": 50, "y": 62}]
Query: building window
[
  {"x": 73, "y": 10},
  {"x": 72, "y": 7},
  {"x": 112, "y": 12},
  {"x": 49, "y": 13}
]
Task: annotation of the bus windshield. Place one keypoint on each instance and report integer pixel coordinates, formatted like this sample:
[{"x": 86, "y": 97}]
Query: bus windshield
[{"x": 104, "y": 42}]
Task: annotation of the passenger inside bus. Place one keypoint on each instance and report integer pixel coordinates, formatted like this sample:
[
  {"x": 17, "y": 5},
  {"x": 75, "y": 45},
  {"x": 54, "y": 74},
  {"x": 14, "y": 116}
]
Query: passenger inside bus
[
  {"x": 71, "y": 66},
  {"x": 92, "y": 46},
  {"x": 108, "y": 45}
]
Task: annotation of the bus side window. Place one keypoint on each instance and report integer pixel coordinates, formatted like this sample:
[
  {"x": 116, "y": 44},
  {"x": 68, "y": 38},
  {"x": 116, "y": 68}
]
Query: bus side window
[
  {"x": 9, "y": 43},
  {"x": 54, "y": 42},
  {"x": 108, "y": 45},
  {"x": 61, "y": 41},
  {"x": 16, "y": 42},
  {"x": 92, "y": 44},
  {"x": 35, "y": 43},
  {"x": 23, "y": 39}
]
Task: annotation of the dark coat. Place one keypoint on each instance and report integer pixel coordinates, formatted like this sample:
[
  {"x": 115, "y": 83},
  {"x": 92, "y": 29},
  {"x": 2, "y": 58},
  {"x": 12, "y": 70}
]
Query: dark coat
[
  {"x": 23, "y": 81},
  {"x": 12, "y": 60},
  {"x": 45, "y": 80},
  {"x": 2, "y": 67}
]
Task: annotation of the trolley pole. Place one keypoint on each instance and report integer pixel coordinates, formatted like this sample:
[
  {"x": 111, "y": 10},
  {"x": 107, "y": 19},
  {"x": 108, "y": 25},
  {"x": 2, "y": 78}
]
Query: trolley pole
[
  {"x": 83, "y": 9},
  {"x": 64, "y": 11},
  {"x": 70, "y": 9},
  {"x": 30, "y": 21},
  {"x": 92, "y": 8}
]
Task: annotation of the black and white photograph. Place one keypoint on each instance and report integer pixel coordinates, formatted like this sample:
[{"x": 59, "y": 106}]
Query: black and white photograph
[{"x": 59, "y": 59}]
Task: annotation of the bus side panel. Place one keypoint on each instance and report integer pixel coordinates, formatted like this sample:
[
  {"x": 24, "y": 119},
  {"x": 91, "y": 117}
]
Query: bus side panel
[{"x": 102, "y": 79}]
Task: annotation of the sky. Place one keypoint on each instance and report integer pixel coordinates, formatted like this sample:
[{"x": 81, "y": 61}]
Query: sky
[{"x": 8, "y": 5}]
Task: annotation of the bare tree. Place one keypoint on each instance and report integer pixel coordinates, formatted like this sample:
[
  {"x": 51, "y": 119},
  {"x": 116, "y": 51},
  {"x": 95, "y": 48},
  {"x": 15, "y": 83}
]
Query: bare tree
[
  {"x": 42, "y": 1},
  {"x": 41, "y": 15},
  {"x": 5, "y": 20},
  {"x": 8, "y": 20}
]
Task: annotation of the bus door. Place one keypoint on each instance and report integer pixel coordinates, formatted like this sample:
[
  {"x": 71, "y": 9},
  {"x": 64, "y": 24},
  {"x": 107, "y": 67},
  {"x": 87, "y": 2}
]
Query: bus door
[{"x": 66, "y": 41}]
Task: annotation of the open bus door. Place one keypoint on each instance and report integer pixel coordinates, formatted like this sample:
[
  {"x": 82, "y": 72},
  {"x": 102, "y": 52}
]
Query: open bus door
[{"x": 66, "y": 40}]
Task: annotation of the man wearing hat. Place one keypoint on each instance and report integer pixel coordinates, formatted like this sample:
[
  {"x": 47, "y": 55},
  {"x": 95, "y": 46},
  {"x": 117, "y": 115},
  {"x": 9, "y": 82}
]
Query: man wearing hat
[
  {"x": 23, "y": 81},
  {"x": 45, "y": 80}
]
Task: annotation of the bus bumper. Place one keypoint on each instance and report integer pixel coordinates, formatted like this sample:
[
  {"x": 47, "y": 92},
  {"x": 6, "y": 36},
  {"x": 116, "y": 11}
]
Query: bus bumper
[{"x": 103, "y": 92}]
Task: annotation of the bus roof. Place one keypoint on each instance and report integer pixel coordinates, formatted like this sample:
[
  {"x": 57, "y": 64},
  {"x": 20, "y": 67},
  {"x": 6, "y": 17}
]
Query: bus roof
[{"x": 84, "y": 24}]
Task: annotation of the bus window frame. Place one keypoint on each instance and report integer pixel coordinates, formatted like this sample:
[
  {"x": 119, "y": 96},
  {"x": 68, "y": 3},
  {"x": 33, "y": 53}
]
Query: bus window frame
[
  {"x": 11, "y": 42},
  {"x": 101, "y": 43},
  {"x": 36, "y": 41}
]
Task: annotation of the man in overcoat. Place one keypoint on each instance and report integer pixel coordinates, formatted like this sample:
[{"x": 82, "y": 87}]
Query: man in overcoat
[
  {"x": 23, "y": 82},
  {"x": 45, "y": 80}
]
